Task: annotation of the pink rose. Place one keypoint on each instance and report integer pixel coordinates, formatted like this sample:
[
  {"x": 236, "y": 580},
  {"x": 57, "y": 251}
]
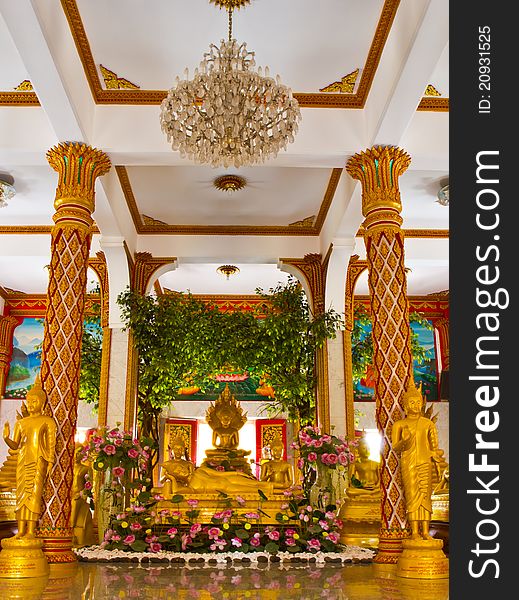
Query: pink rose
[
  {"x": 172, "y": 531},
  {"x": 290, "y": 541},
  {"x": 236, "y": 542},
  {"x": 333, "y": 537},
  {"x": 109, "y": 449},
  {"x": 273, "y": 535},
  {"x": 129, "y": 539},
  {"x": 317, "y": 443},
  {"x": 185, "y": 541},
  {"x": 314, "y": 544},
  {"x": 252, "y": 515},
  {"x": 332, "y": 459},
  {"x": 193, "y": 503},
  {"x": 155, "y": 547},
  {"x": 132, "y": 453},
  {"x": 312, "y": 457},
  {"x": 343, "y": 459},
  {"x": 116, "y": 537},
  {"x": 135, "y": 526},
  {"x": 118, "y": 471},
  {"x": 214, "y": 533},
  {"x": 254, "y": 542},
  {"x": 88, "y": 485},
  {"x": 195, "y": 529}
]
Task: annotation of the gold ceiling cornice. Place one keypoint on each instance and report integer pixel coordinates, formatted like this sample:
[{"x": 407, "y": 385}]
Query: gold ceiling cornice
[
  {"x": 155, "y": 227},
  {"x": 19, "y": 99},
  {"x": 33, "y": 229},
  {"x": 306, "y": 100},
  {"x": 434, "y": 104}
]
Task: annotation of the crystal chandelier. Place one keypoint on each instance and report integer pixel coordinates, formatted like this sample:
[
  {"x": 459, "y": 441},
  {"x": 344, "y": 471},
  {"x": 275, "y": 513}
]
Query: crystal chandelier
[
  {"x": 229, "y": 114},
  {"x": 7, "y": 192}
]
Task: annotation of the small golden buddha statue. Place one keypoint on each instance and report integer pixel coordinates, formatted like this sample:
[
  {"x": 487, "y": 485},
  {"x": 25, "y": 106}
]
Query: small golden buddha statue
[
  {"x": 367, "y": 472},
  {"x": 361, "y": 511},
  {"x": 277, "y": 470},
  {"x": 81, "y": 516},
  {"x": 178, "y": 470},
  {"x": 226, "y": 418}
]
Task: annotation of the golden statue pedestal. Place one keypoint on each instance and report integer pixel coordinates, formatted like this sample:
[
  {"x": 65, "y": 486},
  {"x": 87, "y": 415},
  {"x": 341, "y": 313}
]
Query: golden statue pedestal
[
  {"x": 423, "y": 559},
  {"x": 209, "y": 504},
  {"x": 361, "y": 522},
  {"x": 22, "y": 557},
  {"x": 234, "y": 459}
]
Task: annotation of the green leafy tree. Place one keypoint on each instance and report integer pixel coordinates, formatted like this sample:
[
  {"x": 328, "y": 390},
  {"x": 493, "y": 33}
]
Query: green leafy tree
[
  {"x": 290, "y": 335},
  {"x": 91, "y": 352}
]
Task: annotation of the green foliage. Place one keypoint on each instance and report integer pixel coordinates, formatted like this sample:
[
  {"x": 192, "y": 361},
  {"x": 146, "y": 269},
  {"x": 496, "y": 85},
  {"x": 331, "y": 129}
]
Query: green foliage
[
  {"x": 91, "y": 350},
  {"x": 290, "y": 337},
  {"x": 362, "y": 344}
]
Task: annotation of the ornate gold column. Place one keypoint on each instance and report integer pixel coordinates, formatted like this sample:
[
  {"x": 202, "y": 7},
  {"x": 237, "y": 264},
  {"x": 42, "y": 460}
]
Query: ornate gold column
[
  {"x": 378, "y": 170},
  {"x": 314, "y": 270},
  {"x": 78, "y": 167},
  {"x": 7, "y": 326}
]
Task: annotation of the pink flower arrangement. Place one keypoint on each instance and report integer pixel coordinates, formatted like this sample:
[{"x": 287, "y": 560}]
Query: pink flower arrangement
[{"x": 329, "y": 450}]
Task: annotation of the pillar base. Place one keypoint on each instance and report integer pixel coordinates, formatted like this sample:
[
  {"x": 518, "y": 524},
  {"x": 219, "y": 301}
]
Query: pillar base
[
  {"x": 390, "y": 546},
  {"x": 423, "y": 559},
  {"x": 58, "y": 549},
  {"x": 23, "y": 558}
]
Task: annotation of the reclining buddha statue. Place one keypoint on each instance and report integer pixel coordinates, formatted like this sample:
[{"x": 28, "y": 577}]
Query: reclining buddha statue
[{"x": 225, "y": 468}]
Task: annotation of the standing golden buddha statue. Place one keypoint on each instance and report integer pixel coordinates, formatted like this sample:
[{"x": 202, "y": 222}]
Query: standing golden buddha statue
[
  {"x": 276, "y": 470},
  {"x": 415, "y": 438},
  {"x": 34, "y": 437}
]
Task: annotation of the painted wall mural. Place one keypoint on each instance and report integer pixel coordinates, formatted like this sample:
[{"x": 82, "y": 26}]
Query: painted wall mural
[
  {"x": 26, "y": 357},
  {"x": 426, "y": 373}
]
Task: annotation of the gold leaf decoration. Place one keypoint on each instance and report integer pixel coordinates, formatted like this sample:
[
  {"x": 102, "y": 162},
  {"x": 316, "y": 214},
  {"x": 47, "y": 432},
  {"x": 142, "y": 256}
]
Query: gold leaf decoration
[
  {"x": 25, "y": 86},
  {"x": 151, "y": 221},
  {"x": 345, "y": 86},
  {"x": 430, "y": 90},
  {"x": 113, "y": 82},
  {"x": 308, "y": 222}
]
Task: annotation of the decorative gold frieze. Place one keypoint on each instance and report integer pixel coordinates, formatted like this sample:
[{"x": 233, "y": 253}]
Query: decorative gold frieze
[
  {"x": 430, "y": 90},
  {"x": 345, "y": 86},
  {"x": 151, "y": 221},
  {"x": 306, "y": 222}
]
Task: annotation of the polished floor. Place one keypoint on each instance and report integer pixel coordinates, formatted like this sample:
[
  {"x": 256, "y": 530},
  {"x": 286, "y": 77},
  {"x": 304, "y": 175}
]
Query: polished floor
[{"x": 98, "y": 581}]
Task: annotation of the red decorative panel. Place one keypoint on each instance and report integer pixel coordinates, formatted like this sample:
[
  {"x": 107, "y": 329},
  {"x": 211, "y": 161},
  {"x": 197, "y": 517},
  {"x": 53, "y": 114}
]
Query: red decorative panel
[
  {"x": 187, "y": 429},
  {"x": 266, "y": 431}
]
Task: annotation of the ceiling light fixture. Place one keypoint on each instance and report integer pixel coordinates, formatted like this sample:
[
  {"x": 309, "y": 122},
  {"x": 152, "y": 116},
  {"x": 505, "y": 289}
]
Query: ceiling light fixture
[
  {"x": 229, "y": 183},
  {"x": 229, "y": 114},
  {"x": 443, "y": 195},
  {"x": 228, "y": 270},
  {"x": 7, "y": 192}
]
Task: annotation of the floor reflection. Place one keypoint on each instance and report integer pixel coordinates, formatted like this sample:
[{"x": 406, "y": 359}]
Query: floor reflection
[{"x": 97, "y": 581}]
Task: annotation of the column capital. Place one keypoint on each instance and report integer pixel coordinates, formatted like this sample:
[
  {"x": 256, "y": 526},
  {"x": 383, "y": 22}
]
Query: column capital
[
  {"x": 378, "y": 170},
  {"x": 78, "y": 167}
]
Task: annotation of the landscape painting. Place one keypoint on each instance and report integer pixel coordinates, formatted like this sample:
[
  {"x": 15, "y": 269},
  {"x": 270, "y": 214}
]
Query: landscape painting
[
  {"x": 26, "y": 357},
  {"x": 425, "y": 373}
]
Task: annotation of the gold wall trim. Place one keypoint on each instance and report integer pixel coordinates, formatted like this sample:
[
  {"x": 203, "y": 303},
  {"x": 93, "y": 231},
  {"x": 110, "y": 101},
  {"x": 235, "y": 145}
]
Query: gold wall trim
[
  {"x": 416, "y": 233},
  {"x": 306, "y": 100},
  {"x": 155, "y": 227},
  {"x": 33, "y": 229},
  {"x": 434, "y": 104},
  {"x": 19, "y": 99}
]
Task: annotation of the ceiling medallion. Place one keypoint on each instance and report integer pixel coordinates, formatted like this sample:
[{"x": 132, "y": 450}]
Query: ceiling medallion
[
  {"x": 229, "y": 183},
  {"x": 228, "y": 270},
  {"x": 7, "y": 192},
  {"x": 229, "y": 114}
]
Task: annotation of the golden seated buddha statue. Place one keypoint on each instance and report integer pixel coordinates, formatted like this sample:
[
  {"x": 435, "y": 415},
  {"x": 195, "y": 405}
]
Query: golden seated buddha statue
[
  {"x": 226, "y": 418},
  {"x": 276, "y": 470},
  {"x": 177, "y": 470},
  {"x": 361, "y": 510}
]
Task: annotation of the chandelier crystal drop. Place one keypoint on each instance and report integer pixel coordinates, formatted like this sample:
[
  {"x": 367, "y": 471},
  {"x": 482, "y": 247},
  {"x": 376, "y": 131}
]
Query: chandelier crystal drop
[{"x": 229, "y": 114}]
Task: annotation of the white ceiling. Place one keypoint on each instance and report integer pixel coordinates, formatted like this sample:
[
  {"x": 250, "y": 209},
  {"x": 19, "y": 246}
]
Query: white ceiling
[{"x": 310, "y": 44}]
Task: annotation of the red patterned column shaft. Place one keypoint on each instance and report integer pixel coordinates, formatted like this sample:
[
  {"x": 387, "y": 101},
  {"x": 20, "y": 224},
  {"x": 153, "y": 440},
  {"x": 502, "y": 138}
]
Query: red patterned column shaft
[
  {"x": 378, "y": 169},
  {"x": 78, "y": 167}
]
